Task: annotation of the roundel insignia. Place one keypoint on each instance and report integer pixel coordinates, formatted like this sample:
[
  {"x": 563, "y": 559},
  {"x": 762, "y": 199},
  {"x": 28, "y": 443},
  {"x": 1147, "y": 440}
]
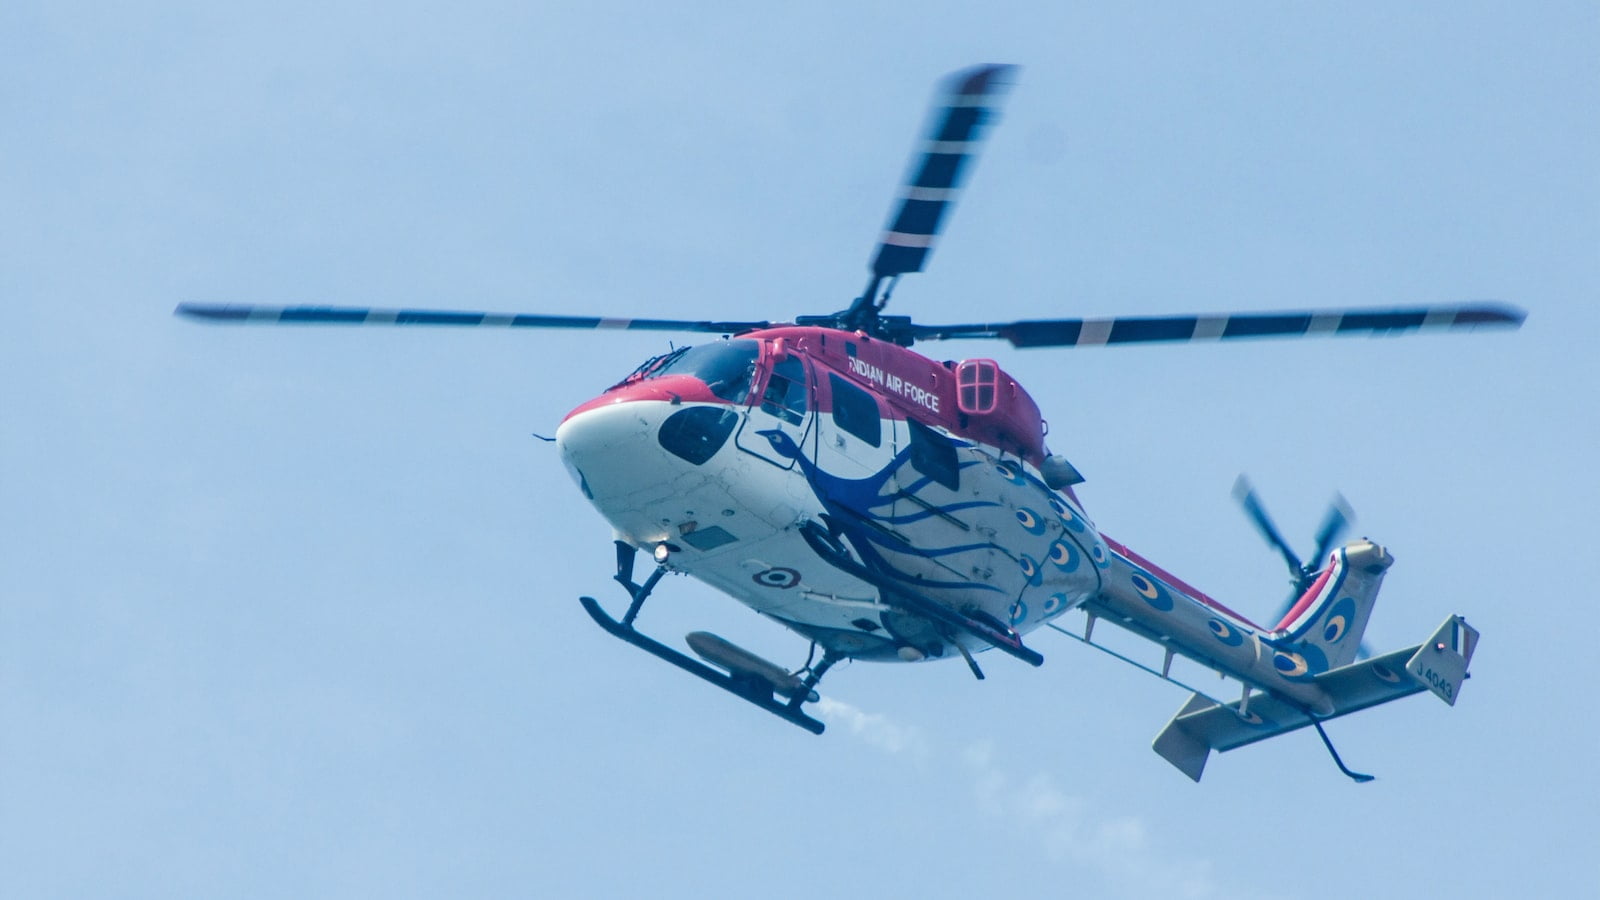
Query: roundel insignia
[
  {"x": 779, "y": 577},
  {"x": 1019, "y": 611},
  {"x": 1064, "y": 556},
  {"x": 1030, "y": 520},
  {"x": 1153, "y": 591},
  {"x": 1226, "y": 633}
]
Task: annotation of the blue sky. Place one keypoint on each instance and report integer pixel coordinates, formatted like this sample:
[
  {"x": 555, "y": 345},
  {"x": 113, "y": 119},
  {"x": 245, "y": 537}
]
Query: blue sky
[{"x": 294, "y": 611}]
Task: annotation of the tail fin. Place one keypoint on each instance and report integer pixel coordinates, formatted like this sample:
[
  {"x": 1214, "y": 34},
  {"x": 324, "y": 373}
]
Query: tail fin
[
  {"x": 1441, "y": 663},
  {"x": 1326, "y": 624}
]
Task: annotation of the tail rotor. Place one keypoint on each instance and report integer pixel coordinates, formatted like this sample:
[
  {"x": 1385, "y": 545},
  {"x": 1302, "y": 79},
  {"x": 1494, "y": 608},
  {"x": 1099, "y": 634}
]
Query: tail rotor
[{"x": 1301, "y": 574}]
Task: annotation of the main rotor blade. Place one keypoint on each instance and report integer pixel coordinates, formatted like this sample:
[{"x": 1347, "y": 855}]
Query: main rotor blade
[
  {"x": 1230, "y": 326},
  {"x": 967, "y": 102},
  {"x": 348, "y": 315}
]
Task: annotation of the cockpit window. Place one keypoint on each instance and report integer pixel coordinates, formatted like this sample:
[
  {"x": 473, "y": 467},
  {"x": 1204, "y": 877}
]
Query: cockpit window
[{"x": 725, "y": 366}]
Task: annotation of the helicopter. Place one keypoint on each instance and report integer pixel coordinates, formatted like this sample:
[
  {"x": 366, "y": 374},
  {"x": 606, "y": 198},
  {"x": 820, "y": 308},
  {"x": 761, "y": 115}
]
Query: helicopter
[{"x": 886, "y": 506}]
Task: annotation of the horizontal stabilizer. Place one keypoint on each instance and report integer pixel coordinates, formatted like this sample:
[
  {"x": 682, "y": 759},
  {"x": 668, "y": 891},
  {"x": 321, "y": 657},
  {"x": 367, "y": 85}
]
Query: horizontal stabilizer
[{"x": 1203, "y": 725}]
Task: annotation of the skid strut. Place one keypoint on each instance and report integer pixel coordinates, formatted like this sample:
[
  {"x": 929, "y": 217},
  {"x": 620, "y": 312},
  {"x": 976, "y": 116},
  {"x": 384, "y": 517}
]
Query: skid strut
[{"x": 754, "y": 690}]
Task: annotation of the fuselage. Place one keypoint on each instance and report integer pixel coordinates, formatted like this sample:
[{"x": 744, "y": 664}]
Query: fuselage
[{"x": 930, "y": 474}]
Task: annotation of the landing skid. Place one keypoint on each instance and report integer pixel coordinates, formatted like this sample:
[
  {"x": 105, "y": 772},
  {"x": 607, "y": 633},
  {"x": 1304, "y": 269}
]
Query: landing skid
[{"x": 748, "y": 688}]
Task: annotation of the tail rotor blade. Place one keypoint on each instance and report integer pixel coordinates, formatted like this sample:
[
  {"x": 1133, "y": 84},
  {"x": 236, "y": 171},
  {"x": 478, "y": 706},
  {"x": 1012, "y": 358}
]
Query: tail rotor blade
[
  {"x": 1334, "y": 524},
  {"x": 1245, "y": 493}
]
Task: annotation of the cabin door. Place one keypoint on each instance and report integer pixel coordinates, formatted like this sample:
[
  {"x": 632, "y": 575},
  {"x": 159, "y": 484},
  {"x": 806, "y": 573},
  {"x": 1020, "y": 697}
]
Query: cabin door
[{"x": 778, "y": 423}]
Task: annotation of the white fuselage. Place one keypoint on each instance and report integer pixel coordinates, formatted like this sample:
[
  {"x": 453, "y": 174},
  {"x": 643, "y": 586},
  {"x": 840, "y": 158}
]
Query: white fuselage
[{"x": 980, "y": 533}]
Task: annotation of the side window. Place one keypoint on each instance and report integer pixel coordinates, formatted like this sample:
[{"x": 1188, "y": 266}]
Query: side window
[
  {"x": 855, "y": 411},
  {"x": 785, "y": 396},
  {"x": 933, "y": 455}
]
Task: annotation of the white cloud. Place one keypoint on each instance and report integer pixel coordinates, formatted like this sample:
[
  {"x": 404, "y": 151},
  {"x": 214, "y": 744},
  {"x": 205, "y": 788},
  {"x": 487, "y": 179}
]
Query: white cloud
[
  {"x": 1069, "y": 830},
  {"x": 1064, "y": 826}
]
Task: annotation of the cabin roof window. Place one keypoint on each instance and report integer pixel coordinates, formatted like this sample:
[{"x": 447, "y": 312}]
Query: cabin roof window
[
  {"x": 725, "y": 366},
  {"x": 977, "y": 386}
]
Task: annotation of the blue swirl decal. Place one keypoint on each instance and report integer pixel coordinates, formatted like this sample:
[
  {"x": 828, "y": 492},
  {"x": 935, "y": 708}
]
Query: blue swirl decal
[
  {"x": 1030, "y": 520},
  {"x": 1153, "y": 591},
  {"x": 854, "y": 504},
  {"x": 1099, "y": 555},
  {"x": 1055, "y": 603},
  {"x": 1019, "y": 611}
]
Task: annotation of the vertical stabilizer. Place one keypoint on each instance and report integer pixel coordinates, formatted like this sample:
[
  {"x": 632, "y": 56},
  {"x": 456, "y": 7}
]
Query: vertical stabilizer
[
  {"x": 1324, "y": 628},
  {"x": 1441, "y": 664},
  {"x": 1180, "y": 745}
]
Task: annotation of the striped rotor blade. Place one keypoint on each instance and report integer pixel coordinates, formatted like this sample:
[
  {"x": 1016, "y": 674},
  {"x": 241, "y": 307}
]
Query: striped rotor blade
[
  {"x": 968, "y": 102},
  {"x": 348, "y": 315},
  {"x": 1234, "y": 326}
]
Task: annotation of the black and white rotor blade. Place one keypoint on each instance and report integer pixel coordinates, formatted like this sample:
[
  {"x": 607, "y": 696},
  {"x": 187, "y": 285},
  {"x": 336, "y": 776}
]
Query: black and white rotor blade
[
  {"x": 1231, "y": 326},
  {"x": 351, "y": 315},
  {"x": 967, "y": 102}
]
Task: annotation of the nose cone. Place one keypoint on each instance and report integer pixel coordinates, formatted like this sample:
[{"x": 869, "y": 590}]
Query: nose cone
[
  {"x": 608, "y": 449},
  {"x": 631, "y": 453}
]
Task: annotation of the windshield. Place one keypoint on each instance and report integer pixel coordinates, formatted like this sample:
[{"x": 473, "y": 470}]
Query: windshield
[{"x": 724, "y": 366}]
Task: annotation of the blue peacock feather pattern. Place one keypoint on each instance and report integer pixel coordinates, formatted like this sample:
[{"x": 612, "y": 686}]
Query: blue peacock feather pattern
[{"x": 851, "y": 505}]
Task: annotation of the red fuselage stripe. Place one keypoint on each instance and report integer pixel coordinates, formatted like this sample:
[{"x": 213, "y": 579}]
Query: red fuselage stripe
[{"x": 1175, "y": 581}]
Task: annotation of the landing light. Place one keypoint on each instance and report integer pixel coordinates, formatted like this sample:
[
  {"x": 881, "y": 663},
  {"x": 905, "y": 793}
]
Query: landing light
[{"x": 662, "y": 551}]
